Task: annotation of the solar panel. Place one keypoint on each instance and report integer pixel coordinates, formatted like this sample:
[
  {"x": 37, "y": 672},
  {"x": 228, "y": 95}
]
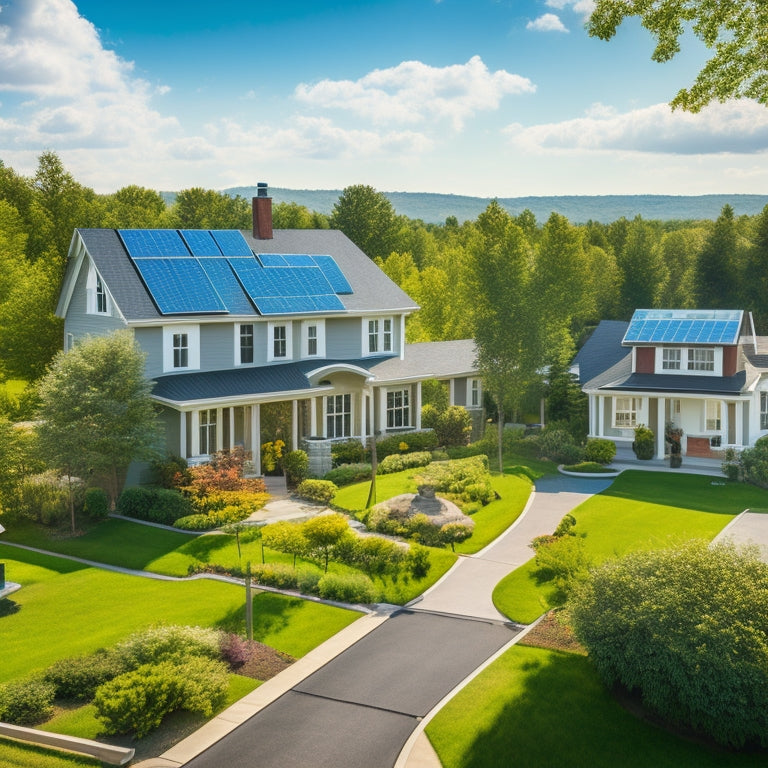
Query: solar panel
[
  {"x": 200, "y": 242},
  {"x": 231, "y": 242},
  {"x": 272, "y": 259},
  {"x": 227, "y": 286},
  {"x": 333, "y": 273},
  {"x": 665, "y": 326},
  {"x": 179, "y": 286},
  {"x": 153, "y": 243}
]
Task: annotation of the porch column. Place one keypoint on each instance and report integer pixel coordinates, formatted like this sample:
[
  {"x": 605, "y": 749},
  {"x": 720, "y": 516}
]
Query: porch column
[
  {"x": 294, "y": 424},
  {"x": 183, "y": 434},
  {"x": 219, "y": 431},
  {"x": 739, "y": 415},
  {"x": 600, "y": 415},
  {"x": 313, "y": 416},
  {"x": 231, "y": 428},
  {"x": 363, "y": 414},
  {"x": 724, "y": 422},
  {"x": 661, "y": 407},
  {"x": 195, "y": 427},
  {"x": 256, "y": 437},
  {"x": 417, "y": 405},
  {"x": 451, "y": 398},
  {"x": 382, "y": 411}
]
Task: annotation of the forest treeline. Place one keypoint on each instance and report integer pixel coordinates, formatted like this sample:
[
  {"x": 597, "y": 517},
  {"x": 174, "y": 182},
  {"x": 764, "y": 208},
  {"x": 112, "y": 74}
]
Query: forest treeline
[{"x": 577, "y": 273}]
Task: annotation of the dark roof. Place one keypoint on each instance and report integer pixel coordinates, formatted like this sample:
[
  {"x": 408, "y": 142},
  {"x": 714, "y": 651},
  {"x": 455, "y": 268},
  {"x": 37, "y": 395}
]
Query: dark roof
[
  {"x": 438, "y": 359},
  {"x": 674, "y": 384},
  {"x": 372, "y": 290},
  {"x": 602, "y": 350}
]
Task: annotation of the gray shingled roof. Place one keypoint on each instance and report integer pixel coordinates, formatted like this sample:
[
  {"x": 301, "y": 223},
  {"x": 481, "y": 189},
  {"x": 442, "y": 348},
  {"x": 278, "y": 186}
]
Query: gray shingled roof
[
  {"x": 438, "y": 359},
  {"x": 602, "y": 350},
  {"x": 671, "y": 383},
  {"x": 372, "y": 290}
]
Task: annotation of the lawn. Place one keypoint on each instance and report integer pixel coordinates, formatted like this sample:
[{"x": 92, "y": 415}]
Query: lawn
[
  {"x": 65, "y": 609},
  {"x": 18, "y": 755},
  {"x": 640, "y": 510},
  {"x": 536, "y": 708}
]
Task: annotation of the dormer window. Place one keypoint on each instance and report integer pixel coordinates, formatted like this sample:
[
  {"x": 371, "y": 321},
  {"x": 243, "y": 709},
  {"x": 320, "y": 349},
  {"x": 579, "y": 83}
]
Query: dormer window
[
  {"x": 701, "y": 359},
  {"x": 671, "y": 359}
]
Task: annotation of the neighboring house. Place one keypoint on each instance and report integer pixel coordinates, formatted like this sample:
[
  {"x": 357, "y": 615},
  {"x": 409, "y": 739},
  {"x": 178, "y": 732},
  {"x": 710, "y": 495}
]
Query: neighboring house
[
  {"x": 703, "y": 371},
  {"x": 232, "y": 320}
]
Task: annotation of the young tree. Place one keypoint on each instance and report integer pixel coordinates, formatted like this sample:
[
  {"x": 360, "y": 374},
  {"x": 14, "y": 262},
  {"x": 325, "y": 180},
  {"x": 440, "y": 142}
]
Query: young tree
[
  {"x": 505, "y": 330},
  {"x": 323, "y": 533},
  {"x": 285, "y": 536},
  {"x": 736, "y": 30},
  {"x": 368, "y": 219},
  {"x": 96, "y": 413}
]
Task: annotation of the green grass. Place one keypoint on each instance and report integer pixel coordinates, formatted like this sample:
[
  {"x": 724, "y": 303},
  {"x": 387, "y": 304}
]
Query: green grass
[
  {"x": 18, "y": 755},
  {"x": 640, "y": 510},
  {"x": 66, "y": 609},
  {"x": 537, "y": 708}
]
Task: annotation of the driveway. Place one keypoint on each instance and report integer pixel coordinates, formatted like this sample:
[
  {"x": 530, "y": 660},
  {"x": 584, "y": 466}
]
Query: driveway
[{"x": 359, "y": 709}]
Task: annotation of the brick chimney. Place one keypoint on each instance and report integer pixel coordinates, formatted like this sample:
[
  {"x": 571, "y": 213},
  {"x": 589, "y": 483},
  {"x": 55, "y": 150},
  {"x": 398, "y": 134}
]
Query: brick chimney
[{"x": 262, "y": 213}]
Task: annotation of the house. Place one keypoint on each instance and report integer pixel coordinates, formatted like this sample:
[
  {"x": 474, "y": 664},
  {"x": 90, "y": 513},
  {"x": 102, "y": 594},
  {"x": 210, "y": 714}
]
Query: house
[
  {"x": 231, "y": 321},
  {"x": 702, "y": 371}
]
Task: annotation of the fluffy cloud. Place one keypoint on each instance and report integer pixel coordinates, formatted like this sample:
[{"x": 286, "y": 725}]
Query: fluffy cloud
[
  {"x": 583, "y": 7},
  {"x": 736, "y": 127},
  {"x": 414, "y": 92},
  {"x": 549, "y": 22}
]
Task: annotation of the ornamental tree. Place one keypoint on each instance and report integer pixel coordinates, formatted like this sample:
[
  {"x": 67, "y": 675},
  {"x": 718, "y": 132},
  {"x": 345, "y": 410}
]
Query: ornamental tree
[{"x": 686, "y": 628}]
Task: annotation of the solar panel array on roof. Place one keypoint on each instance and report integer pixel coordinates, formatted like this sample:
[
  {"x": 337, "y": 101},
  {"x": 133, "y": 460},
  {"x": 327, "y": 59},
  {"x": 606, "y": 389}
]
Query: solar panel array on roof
[
  {"x": 196, "y": 271},
  {"x": 649, "y": 326}
]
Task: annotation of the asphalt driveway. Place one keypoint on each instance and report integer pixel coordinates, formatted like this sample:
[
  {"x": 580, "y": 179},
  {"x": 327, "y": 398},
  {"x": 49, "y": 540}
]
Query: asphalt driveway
[{"x": 359, "y": 709}]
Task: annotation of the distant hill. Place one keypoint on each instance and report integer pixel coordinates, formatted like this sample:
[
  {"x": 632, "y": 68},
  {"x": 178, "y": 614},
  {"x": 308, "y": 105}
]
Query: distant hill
[{"x": 578, "y": 209}]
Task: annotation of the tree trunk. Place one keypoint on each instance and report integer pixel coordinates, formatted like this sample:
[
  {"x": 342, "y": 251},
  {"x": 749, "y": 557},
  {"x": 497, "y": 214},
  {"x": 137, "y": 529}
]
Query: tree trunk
[{"x": 500, "y": 444}]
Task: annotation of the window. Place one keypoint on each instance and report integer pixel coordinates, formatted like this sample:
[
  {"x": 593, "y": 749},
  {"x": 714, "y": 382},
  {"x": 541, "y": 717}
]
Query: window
[
  {"x": 712, "y": 415},
  {"x": 701, "y": 359},
  {"x": 338, "y": 415},
  {"x": 764, "y": 410},
  {"x": 181, "y": 347},
  {"x": 70, "y": 342},
  {"x": 671, "y": 358},
  {"x": 180, "y": 350},
  {"x": 208, "y": 431},
  {"x": 475, "y": 393},
  {"x": 246, "y": 343},
  {"x": 97, "y": 298},
  {"x": 398, "y": 409},
  {"x": 625, "y": 412},
  {"x": 380, "y": 335},
  {"x": 101, "y": 297},
  {"x": 280, "y": 345},
  {"x": 313, "y": 338}
]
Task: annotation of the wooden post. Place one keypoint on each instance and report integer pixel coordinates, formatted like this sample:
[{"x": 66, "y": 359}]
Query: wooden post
[{"x": 248, "y": 603}]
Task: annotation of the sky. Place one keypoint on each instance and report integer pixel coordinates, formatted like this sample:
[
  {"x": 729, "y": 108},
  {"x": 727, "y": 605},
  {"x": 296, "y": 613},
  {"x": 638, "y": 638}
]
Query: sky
[{"x": 490, "y": 98}]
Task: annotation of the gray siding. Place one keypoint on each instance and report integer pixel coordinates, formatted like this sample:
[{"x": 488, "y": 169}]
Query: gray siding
[
  {"x": 217, "y": 346},
  {"x": 343, "y": 338},
  {"x": 151, "y": 342},
  {"x": 460, "y": 392}
]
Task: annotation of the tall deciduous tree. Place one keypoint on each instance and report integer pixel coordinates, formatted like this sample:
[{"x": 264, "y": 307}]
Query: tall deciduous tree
[
  {"x": 198, "y": 208},
  {"x": 368, "y": 219},
  {"x": 96, "y": 415},
  {"x": 505, "y": 331},
  {"x": 734, "y": 29}
]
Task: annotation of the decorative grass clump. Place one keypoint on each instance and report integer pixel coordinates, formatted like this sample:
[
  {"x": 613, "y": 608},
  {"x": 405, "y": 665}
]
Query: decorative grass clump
[{"x": 589, "y": 468}]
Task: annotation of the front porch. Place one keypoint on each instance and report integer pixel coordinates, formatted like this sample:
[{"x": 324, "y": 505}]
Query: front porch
[{"x": 625, "y": 459}]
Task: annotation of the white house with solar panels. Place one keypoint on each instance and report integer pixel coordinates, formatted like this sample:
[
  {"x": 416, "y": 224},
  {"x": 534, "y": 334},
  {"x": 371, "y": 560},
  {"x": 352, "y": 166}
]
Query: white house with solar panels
[
  {"x": 231, "y": 320},
  {"x": 702, "y": 371}
]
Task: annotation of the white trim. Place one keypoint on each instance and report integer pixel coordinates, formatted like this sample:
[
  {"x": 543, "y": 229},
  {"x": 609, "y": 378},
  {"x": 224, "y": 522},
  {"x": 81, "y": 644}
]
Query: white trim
[
  {"x": 93, "y": 282},
  {"x": 193, "y": 347},
  {"x": 272, "y": 325},
  {"x": 319, "y": 324},
  {"x": 238, "y": 346},
  {"x": 378, "y": 333}
]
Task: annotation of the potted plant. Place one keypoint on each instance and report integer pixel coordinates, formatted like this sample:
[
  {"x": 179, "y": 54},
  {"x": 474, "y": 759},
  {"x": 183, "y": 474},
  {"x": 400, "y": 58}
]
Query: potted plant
[
  {"x": 674, "y": 436},
  {"x": 643, "y": 443}
]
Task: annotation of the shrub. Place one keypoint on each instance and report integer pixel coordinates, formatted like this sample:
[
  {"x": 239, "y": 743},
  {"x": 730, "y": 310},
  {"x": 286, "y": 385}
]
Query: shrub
[
  {"x": 453, "y": 426},
  {"x": 136, "y": 502},
  {"x": 347, "y": 452},
  {"x": 44, "y": 498},
  {"x": 563, "y": 560},
  {"x": 455, "y": 533},
  {"x": 321, "y": 491},
  {"x": 79, "y": 677},
  {"x": 398, "y": 462},
  {"x": 155, "y": 505},
  {"x": 296, "y": 467},
  {"x": 643, "y": 444},
  {"x": 346, "y": 474},
  {"x": 731, "y": 464},
  {"x": 466, "y": 480},
  {"x": 425, "y": 440},
  {"x": 271, "y": 455},
  {"x": 753, "y": 463},
  {"x": 96, "y": 503},
  {"x": 224, "y": 472},
  {"x": 418, "y": 562},
  {"x": 558, "y": 446},
  {"x": 587, "y": 468},
  {"x": 172, "y": 472},
  {"x": 168, "y": 642},
  {"x": 307, "y": 580},
  {"x": 600, "y": 450},
  {"x": 323, "y": 533},
  {"x": 420, "y": 528},
  {"x": 278, "y": 575},
  {"x": 373, "y": 555},
  {"x": 214, "y": 519},
  {"x": 252, "y": 658},
  {"x": 26, "y": 702},
  {"x": 285, "y": 536},
  {"x": 347, "y": 588},
  {"x": 214, "y": 501}
]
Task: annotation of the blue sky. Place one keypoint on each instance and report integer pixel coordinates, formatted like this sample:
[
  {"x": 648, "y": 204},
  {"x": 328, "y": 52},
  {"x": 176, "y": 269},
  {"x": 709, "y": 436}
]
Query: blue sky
[{"x": 481, "y": 97}]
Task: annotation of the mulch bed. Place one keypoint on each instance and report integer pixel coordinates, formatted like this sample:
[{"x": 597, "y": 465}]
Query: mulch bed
[
  {"x": 264, "y": 662},
  {"x": 552, "y": 632}
]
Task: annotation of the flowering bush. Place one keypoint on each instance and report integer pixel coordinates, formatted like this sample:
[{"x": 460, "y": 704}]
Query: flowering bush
[{"x": 271, "y": 453}]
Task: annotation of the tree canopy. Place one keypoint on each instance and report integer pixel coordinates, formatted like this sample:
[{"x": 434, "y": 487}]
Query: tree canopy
[{"x": 734, "y": 29}]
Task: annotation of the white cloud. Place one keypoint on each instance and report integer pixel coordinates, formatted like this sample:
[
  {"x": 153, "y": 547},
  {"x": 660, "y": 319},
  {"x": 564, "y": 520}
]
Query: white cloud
[
  {"x": 583, "y": 7},
  {"x": 414, "y": 92},
  {"x": 549, "y": 22},
  {"x": 736, "y": 127}
]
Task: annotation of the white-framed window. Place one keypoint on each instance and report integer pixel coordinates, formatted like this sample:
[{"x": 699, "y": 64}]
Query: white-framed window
[
  {"x": 338, "y": 415},
  {"x": 701, "y": 359},
  {"x": 245, "y": 343},
  {"x": 70, "y": 342},
  {"x": 398, "y": 408},
  {"x": 764, "y": 410},
  {"x": 625, "y": 412},
  {"x": 378, "y": 335},
  {"x": 97, "y": 298},
  {"x": 712, "y": 415},
  {"x": 280, "y": 345},
  {"x": 313, "y": 338},
  {"x": 208, "y": 431},
  {"x": 474, "y": 393},
  {"x": 671, "y": 358},
  {"x": 181, "y": 347}
]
